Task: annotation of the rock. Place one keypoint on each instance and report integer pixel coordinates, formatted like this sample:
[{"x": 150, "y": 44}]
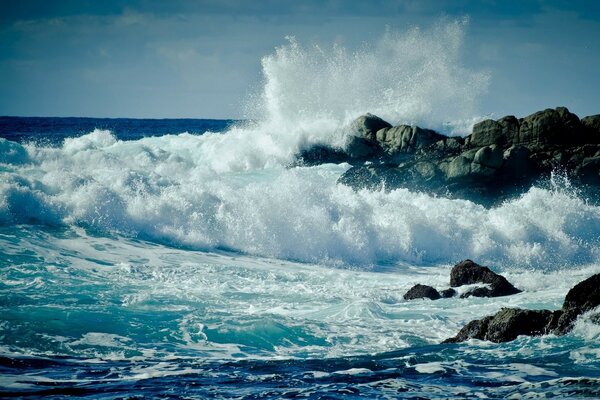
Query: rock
[
  {"x": 506, "y": 325},
  {"x": 583, "y": 297},
  {"x": 459, "y": 168},
  {"x": 498, "y": 161},
  {"x": 422, "y": 291},
  {"x": 320, "y": 154},
  {"x": 361, "y": 148},
  {"x": 468, "y": 272},
  {"x": 503, "y": 132},
  {"x": 557, "y": 126},
  {"x": 516, "y": 161},
  {"x": 405, "y": 138},
  {"x": 509, "y": 323},
  {"x": 366, "y": 126},
  {"x": 592, "y": 126},
  {"x": 487, "y": 160},
  {"x": 446, "y": 293}
]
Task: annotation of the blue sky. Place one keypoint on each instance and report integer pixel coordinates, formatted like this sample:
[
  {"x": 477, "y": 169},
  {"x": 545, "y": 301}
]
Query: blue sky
[{"x": 201, "y": 59}]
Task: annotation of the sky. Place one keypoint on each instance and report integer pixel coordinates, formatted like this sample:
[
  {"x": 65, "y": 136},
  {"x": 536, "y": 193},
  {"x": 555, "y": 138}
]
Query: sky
[{"x": 202, "y": 59}]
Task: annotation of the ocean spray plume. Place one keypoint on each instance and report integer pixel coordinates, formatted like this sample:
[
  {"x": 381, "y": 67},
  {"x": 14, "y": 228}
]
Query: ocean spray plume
[{"x": 415, "y": 77}]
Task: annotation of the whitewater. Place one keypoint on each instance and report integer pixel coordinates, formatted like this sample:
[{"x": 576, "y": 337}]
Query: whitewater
[{"x": 187, "y": 263}]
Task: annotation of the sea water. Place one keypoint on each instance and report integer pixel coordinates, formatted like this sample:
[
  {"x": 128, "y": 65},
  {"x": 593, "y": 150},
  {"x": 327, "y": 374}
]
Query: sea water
[{"x": 190, "y": 259}]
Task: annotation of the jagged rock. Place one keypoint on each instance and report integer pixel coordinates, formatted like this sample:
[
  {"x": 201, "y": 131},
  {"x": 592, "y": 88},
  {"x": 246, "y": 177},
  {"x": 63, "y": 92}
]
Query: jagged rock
[
  {"x": 509, "y": 323},
  {"x": 506, "y": 325},
  {"x": 422, "y": 291},
  {"x": 468, "y": 272},
  {"x": 499, "y": 160}
]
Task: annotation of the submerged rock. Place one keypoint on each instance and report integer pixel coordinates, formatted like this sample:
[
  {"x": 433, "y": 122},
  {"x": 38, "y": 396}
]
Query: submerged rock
[
  {"x": 421, "y": 292},
  {"x": 509, "y": 323},
  {"x": 468, "y": 272}
]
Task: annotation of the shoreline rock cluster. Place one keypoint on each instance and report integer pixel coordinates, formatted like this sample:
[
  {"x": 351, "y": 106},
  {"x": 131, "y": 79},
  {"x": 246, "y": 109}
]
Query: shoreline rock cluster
[
  {"x": 509, "y": 323},
  {"x": 499, "y": 159}
]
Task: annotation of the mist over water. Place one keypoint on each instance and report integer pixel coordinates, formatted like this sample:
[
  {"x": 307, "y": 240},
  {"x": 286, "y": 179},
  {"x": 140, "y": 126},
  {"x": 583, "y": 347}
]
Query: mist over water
[{"x": 413, "y": 77}]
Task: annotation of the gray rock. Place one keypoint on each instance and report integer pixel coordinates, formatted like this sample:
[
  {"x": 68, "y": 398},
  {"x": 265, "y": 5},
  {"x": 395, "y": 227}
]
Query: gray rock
[
  {"x": 421, "y": 292},
  {"x": 487, "y": 160},
  {"x": 503, "y": 132},
  {"x": 366, "y": 126},
  {"x": 468, "y": 272},
  {"x": 405, "y": 138}
]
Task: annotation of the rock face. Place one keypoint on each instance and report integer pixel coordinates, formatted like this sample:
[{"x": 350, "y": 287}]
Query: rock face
[
  {"x": 509, "y": 323},
  {"x": 468, "y": 272},
  {"x": 500, "y": 159},
  {"x": 421, "y": 292}
]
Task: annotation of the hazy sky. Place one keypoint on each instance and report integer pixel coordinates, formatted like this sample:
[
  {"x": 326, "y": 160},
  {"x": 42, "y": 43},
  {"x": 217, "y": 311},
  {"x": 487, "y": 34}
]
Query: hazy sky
[{"x": 201, "y": 59}]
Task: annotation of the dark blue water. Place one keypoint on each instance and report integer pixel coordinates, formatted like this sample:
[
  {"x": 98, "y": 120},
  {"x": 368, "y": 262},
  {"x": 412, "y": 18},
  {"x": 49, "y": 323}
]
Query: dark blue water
[
  {"x": 55, "y": 130},
  {"x": 140, "y": 262}
]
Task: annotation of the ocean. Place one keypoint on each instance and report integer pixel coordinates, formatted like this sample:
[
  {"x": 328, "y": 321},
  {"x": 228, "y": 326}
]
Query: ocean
[{"x": 192, "y": 259}]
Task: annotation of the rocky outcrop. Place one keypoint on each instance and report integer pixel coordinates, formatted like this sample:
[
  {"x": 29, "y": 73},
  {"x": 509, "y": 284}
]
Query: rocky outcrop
[
  {"x": 509, "y": 323},
  {"x": 422, "y": 292},
  {"x": 501, "y": 158},
  {"x": 468, "y": 272}
]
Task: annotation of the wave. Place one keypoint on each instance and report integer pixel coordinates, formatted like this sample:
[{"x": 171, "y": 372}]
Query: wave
[
  {"x": 233, "y": 190},
  {"x": 161, "y": 189}
]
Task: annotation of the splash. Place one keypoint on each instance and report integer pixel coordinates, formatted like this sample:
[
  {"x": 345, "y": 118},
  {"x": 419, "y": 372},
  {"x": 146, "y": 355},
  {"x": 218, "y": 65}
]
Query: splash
[{"x": 413, "y": 77}]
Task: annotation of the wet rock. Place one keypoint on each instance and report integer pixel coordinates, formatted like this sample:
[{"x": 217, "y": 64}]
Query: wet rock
[
  {"x": 468, "y": 272},
  {"x": 498, "y": 161},
  {"x": 503, "y": 132},
  {"x": 509, "y": 323},
  {"x": 421, "y": 292},
  {"x": 446, "y": 293},
  {"x": 320, "y": 154},
  {"x": 506, "y": 325},
  {"x": 583, "y": 297},
  {"x": 405, "y": 138},
  {"x": 366, "y": 126}
]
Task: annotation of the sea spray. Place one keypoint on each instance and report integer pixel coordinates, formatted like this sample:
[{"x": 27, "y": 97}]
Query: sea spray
[{"x": 163, "y": 189}]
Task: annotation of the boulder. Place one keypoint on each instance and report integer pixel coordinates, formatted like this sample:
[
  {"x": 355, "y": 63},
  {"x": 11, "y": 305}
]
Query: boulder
[
  {"x": 583, "y": 297},
  {"x": 405, "y": 138},
  {"x": 592, "y": 126},
  {"x": 503, "y": 132},
  {"x": 422, "y": 291},
  {"x": 550, "y": 127},
  {"x": 506, "y": 325},
  {"x": 366, "y": 126},
  {"x": 468, "y": 272}
]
